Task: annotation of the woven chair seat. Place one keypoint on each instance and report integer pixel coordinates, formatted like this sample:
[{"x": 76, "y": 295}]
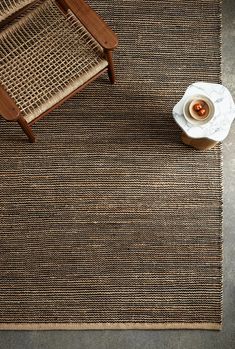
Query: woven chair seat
[
  {"x": 8, "y": 7},
  {"x": 46, "y": 56}
]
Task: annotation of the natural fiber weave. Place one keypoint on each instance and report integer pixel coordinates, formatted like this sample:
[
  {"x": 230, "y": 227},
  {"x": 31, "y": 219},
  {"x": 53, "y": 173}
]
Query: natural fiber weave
[
  {"x": 109, "y": 221},
  {"x": 46, "y": 56},
  {"x": 8, "y": 7}
]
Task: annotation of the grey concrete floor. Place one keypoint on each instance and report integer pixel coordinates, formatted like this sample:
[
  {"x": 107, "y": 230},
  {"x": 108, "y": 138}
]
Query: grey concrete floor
[{"x": 173, "y": 339}]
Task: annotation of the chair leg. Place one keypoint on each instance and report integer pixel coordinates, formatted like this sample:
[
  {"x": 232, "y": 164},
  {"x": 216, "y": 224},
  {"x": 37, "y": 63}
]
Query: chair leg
[
  {"x": 111, "y": 73},
  {"x": 27, "y": 129}
]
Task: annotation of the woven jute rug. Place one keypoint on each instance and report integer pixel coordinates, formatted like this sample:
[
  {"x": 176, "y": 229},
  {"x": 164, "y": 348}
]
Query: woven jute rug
[{"x": 108, "y": 221}]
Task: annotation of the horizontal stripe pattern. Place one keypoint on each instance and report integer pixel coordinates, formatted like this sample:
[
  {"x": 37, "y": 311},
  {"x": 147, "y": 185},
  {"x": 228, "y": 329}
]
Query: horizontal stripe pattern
[{"x": 108, "y": 219}]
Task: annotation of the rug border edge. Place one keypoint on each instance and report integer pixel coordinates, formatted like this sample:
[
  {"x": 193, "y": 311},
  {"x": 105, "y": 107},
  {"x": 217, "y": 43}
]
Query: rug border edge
[{"x": 111, "y": 326}]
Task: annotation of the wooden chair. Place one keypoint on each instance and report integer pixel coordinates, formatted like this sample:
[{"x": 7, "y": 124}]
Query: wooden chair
[{"x": 49, "y": 51}]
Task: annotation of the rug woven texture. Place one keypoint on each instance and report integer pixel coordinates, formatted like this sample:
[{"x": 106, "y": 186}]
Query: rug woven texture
[{"x": 108, "y": 221}]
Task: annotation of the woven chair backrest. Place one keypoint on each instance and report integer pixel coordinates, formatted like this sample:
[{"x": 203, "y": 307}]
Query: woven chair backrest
[{"x": 9, "y": 7}]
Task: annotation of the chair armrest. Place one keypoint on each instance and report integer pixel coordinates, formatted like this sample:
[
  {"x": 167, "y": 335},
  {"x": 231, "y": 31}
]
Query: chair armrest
[
  {"x": 8, "y": 108},
  {"x": 93, "y": 23}
]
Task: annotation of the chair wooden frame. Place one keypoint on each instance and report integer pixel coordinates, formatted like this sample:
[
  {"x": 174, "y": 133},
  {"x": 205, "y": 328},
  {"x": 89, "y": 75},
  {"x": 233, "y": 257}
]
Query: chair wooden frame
[{"x": 100, "y": 31}]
